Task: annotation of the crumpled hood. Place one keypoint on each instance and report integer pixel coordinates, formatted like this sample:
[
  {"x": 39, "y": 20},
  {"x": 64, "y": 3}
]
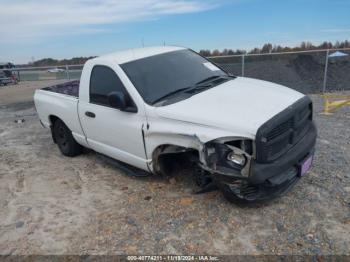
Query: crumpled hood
[{"x": 240, "y": 106}]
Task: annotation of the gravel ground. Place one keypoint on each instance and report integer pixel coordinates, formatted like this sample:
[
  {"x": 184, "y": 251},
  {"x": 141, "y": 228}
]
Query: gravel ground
[
  {"x": 23, "y": 91},
  {"x": 50, "y": 204}
]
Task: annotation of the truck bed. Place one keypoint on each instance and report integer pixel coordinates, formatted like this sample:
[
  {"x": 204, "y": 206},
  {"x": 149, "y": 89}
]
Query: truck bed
[
  {"x": 68, "y": 88},
  {"x": 60, "y": 101}
]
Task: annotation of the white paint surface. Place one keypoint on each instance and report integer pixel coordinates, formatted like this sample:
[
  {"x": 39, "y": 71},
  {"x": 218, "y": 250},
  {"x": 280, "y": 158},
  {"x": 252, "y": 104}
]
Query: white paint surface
[{"x": 236, "y": 108}]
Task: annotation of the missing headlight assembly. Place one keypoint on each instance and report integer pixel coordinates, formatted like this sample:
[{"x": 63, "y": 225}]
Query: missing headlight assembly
[{"x": 228, "y": 157}]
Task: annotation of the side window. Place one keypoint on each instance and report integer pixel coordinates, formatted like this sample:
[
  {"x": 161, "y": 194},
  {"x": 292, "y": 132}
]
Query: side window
[{"x": 102, "y": 82}]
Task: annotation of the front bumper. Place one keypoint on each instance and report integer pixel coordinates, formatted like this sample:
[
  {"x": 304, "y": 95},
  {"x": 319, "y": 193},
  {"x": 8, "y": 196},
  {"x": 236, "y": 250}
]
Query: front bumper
[
  {"x": 259, "y": 173},
  {"x": 270, "y": 180}
]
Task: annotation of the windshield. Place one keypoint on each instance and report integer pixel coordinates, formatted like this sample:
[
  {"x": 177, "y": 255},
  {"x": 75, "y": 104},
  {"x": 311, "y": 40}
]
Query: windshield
[{"x": 160, "y": 76}]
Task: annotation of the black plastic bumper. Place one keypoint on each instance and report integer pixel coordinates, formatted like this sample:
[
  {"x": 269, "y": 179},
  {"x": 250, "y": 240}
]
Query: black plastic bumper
[
  {"x": 259, "y": 173},
  {"x": 270, "y": 180}
]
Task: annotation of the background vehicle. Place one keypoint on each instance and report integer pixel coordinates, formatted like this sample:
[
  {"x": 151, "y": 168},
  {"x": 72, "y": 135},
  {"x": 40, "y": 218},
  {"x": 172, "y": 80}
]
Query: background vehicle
[
  {"x": 152, "y": 107},
  {"x": 55, "y": 70},
  {"x": 6, "y": 75}
]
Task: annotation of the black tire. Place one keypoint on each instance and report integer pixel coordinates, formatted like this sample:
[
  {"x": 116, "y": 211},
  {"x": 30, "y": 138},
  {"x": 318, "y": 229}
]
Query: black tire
[
  {"x": 230, "y": 196},
  {"x": 65, "y": 140},
  {"x": 238, "y": 200}
]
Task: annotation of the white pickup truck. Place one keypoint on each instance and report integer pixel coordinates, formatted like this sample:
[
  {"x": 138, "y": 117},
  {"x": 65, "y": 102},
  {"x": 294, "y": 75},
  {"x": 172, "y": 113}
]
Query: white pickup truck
[{"x": 153, "y": 108}]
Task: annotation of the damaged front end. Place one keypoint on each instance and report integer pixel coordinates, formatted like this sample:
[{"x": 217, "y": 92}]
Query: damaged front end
[
  {"x": 230, "y": 166},
  {"x": 228, "y": 162},
  {"x": 267, "y": 167},
  {"x": 246, "y": 169}
]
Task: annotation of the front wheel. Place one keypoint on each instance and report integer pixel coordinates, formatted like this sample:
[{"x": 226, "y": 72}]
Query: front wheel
[
  {"x": 234, "y": 195},
  {"x": 244, "y": 193},
  {"x": 65, "y": 140}
]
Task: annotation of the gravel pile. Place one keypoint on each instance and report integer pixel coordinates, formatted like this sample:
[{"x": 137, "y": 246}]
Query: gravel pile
[{"x": 302, "y": 72}]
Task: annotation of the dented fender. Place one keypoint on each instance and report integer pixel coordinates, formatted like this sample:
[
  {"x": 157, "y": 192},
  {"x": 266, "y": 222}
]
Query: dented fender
[{"x": 168, "y": 136}]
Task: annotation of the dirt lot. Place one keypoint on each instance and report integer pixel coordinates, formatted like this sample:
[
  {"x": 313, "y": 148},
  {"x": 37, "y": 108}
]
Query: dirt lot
[
  {"x": 22, "y": 92},
  {"x": 50, "y": 204}
]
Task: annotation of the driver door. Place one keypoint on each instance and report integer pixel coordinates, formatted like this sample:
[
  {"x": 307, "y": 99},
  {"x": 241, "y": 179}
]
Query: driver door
[{"x": 108, "y": 130}]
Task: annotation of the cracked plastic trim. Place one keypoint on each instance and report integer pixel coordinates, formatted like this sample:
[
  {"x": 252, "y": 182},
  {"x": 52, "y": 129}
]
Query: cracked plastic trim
[{"x": 195, "y": 144}]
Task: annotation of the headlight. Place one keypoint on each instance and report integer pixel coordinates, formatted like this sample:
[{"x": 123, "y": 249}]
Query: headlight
[
  {"x": 237, "y": 159},
  {"x": 229, "y": 156}
]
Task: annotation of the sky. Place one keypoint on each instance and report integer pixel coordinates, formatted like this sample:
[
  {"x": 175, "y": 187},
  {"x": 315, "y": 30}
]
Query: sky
[{"x": 35, "y": 29}]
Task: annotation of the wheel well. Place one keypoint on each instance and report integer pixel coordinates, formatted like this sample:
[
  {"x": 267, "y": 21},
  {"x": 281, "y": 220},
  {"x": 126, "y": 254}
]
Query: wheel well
[
  {"x": 168, "y": 158},
  {"x": 53, "y": 119}
]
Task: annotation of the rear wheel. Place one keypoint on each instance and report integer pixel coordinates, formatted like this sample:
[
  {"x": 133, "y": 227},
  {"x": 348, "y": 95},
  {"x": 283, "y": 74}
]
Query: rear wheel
[{"x": 65, "y": 140}]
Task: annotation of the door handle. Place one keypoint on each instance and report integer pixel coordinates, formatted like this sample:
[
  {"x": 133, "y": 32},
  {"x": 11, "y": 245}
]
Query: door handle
[{"x": 90, "y": 114}]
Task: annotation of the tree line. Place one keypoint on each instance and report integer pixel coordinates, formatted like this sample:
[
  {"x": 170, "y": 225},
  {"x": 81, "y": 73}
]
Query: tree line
[
  {"x": 269, "y": 48},
  {"x": 266, "y": 48},
  {"x": 63, "y": 62}
]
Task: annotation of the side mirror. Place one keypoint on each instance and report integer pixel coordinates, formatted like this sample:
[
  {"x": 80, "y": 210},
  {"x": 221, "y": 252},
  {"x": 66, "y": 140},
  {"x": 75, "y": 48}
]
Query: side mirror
[{"x": 117, "y": 100}]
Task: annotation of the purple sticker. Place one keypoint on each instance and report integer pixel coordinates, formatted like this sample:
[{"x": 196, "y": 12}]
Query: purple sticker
[{"x": 306, "y": 166}]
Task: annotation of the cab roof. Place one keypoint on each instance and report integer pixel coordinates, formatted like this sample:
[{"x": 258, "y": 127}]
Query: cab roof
[{"x": 129, "y": 55}]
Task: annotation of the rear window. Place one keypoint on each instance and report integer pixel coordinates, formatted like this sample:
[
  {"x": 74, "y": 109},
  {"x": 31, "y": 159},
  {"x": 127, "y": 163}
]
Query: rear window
[{"x": 103, "y": 81}]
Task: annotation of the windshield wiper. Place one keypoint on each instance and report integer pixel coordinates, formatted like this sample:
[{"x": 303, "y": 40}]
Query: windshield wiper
[
  {"x": 210, "y": 78},
  {"x": 213, "y": 78},
  {"x": 171, "y": 94},
  {"x": 199, "y": 86},
  {"x": 187, "y": 90}
]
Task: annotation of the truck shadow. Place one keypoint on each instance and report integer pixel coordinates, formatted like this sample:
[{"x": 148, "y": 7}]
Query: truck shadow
[
  {"x": 180, "y": 178},
  {"x": 179, "y": 175}
]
